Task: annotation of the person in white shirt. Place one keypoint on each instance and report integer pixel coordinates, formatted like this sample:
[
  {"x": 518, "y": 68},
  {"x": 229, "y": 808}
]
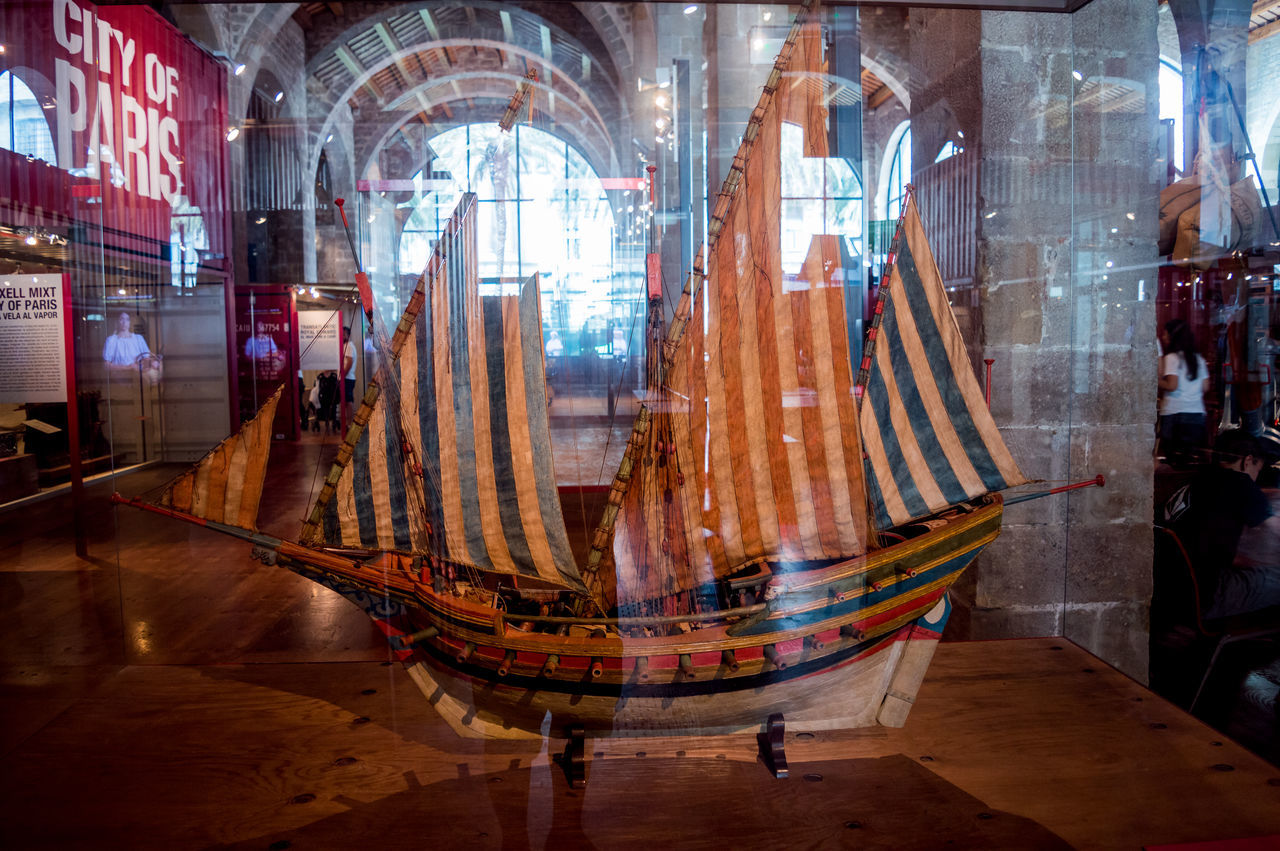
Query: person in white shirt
[
  {"x": 1183, "y": 378},
  {"x": 123, "y": 348},
  {"x": 348, "y": 365}
]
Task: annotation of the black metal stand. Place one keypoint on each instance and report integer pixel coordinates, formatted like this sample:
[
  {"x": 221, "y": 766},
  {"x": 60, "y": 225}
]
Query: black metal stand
[
  {"x": 574, "y": 760},
  {"x": 772, "y": 749}
]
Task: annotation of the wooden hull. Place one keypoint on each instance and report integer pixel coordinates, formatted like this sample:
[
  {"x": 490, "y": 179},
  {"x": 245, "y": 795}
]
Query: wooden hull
[
  {"x": 813, "y": 694},
  {"x": 844, "y": 646}
]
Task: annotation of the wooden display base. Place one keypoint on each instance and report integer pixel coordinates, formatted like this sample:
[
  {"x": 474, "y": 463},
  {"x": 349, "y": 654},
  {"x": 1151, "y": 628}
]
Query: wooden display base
[
  {"x": 51, "y": 476},
  {"x": 1014, "y": 744},
  {"x": 19, "y": 477}
]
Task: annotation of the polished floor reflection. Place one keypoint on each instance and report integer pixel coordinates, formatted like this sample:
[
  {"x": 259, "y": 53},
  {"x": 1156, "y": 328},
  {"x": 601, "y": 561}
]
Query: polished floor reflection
[{"x": 183, "y": 695}]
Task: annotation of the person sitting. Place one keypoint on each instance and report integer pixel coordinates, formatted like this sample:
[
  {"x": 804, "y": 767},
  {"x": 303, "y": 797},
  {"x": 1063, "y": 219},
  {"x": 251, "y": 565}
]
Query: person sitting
[{"x": 1221, "y": 506}]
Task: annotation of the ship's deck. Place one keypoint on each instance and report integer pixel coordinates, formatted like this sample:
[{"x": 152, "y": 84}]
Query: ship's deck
[{"x": 172, "y": 693}]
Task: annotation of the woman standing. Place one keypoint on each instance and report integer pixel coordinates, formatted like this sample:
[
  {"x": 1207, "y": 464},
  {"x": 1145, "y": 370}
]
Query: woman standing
[{"x": 1183, "y": 374}]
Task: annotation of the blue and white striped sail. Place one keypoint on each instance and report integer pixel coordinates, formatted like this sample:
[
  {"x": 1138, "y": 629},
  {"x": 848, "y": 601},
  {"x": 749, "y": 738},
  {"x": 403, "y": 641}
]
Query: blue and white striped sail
[
  {"x": 462, "y": 467},
  {"x": 929, "y": 439}
]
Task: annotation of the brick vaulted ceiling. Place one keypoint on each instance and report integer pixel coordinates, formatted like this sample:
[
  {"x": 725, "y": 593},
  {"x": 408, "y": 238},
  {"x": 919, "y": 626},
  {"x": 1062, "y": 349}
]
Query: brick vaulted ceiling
[{"x": 439, "y": 65}]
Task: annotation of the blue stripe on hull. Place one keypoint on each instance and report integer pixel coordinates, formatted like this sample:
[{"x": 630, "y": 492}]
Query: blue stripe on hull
[{"x": 904, "y": 588}]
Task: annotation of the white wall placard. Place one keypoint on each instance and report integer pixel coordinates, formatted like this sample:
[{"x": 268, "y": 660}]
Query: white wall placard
[
  {"x": 318, "y": 338},
  {"x": 33, "y": 366}
]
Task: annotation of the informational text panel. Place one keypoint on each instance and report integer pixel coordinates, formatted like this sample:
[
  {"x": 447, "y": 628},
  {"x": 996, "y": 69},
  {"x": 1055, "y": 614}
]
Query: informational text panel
[{"x": 33, "y": 365}]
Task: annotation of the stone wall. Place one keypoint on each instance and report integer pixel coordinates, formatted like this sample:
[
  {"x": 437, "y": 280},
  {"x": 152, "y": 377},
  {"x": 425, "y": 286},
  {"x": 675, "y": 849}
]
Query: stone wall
[{"x": 1067, "y": 213}]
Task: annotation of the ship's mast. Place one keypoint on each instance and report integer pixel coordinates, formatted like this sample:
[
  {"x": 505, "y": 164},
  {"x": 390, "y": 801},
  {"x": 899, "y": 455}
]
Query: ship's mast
[
  {"x": 669, "y": 335},
  {"x": 655, "y": 326}
]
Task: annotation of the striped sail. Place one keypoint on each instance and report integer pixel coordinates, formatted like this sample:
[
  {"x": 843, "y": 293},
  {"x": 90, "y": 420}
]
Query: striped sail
[
  {"x": 753, "y": 449},
  {"x": 930, "y": 440},
  {"x": 473, "y": 413},
  {"x": 770, "y": 429},
  {"x": 225, "y": 486}
]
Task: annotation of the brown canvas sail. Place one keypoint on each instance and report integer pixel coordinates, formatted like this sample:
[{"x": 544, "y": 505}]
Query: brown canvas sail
[
  {"x": 753, "y": 448},
  {"x": 225, "y": 486}
]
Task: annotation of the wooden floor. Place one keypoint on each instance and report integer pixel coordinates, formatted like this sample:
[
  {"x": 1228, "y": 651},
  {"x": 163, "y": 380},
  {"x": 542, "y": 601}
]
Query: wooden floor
[{"x": 171, "y": 693}]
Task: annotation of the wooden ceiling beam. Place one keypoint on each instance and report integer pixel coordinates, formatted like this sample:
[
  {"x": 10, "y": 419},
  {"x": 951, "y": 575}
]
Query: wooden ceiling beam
[
  {"x": 393, "y": 46},
  {"x": 430, "y": 23},
  {"x": 879, "y": 97},
  {"x": 358, "y": 71},
  {"x": 1264, "y": 31}
]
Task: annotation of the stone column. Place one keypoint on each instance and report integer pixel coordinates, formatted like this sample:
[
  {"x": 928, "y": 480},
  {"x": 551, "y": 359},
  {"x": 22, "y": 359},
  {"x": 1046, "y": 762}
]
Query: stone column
[{"x": 1062, "y": 112}]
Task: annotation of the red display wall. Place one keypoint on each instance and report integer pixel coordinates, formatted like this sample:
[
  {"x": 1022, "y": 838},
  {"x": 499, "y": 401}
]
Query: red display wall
[{"x": 266, "y": 354}]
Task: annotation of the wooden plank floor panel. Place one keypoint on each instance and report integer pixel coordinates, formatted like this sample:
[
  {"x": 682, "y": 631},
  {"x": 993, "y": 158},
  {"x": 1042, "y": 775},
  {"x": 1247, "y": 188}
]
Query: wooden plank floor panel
[
  {"x": 1063, "y": 739},
  {"x": 1012, "y": 745}
]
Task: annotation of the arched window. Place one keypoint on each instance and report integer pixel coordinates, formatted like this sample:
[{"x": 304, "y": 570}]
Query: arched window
[
  {"x": 818, "y": 196},
  {"x": 895, "y": 173},
  {"x": 542, "y": 208},
  {"x": 23, "y": 127}
]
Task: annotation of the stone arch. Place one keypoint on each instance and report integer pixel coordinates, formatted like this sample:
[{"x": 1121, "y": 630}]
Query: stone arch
[
  {"x": 882, "y": 174},
  {"x": 340, "y": 72},
  {"x": 42, "y": 89},
  {"x": 586, "y": 128},
  {"x": 614, "y": 31}
]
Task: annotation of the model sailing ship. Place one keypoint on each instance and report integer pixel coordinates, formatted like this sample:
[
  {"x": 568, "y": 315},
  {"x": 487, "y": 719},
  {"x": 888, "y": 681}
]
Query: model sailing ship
[{"x": 780, "y": 535}]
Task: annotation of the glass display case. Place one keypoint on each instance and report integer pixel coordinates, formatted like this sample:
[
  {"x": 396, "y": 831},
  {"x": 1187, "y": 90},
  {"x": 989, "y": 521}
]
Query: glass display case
[{"x": 712, "y": 348}]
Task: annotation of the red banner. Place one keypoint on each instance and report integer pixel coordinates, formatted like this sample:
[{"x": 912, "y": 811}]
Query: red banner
[{"x": 138, "y": 118}]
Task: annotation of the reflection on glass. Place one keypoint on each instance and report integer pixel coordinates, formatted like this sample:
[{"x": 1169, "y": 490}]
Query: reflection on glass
[
  {"x": 897, "y": 172},
  {"x": 819, "y": 195},
  {"x": 23, "y": 126},
  {"x": 542, "y": 209}
]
